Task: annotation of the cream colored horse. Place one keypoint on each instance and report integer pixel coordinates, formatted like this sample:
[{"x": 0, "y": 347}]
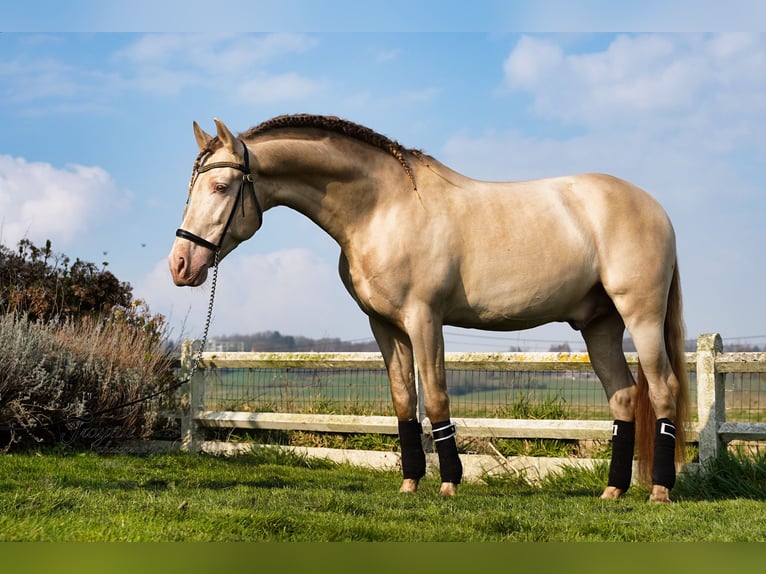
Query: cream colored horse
[{"x": 423, "y": 246}]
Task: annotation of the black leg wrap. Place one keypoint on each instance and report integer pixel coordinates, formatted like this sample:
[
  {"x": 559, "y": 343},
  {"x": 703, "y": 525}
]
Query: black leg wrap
[
  {"x": 450, "y": 467},
  {"x": 623, "y": 444},
  {"x": 413, "y": 457},
  {"x": 664, "y": 470}
]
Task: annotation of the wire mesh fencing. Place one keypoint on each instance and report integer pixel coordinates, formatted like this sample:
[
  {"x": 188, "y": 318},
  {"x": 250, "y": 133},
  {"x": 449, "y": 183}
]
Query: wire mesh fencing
[{"x": 573, "y": 394}]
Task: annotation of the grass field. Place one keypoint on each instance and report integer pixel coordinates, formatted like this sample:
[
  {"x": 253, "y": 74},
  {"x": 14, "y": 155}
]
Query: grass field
[{"x": 63, "y": 495}]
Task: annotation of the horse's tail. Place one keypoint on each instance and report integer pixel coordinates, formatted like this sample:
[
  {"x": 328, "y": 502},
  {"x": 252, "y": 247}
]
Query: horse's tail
[{"x": 645, "y": 417}]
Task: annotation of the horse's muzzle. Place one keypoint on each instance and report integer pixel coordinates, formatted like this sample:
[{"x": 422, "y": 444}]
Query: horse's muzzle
[{"x": 186, "y": 269}]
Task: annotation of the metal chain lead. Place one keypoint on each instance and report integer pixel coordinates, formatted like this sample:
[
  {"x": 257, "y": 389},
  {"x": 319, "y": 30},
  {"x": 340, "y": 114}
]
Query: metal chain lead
[{"x": 209, "y": 318}]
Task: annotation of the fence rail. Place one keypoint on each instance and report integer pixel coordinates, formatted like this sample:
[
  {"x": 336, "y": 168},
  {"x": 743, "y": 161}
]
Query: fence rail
[{"x": 710, "y": 430}]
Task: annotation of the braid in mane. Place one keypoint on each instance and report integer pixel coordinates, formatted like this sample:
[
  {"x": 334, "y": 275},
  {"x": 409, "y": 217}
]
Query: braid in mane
[
  {"x": 212, "y": 144},
  {"x": 339, "y": 126}
]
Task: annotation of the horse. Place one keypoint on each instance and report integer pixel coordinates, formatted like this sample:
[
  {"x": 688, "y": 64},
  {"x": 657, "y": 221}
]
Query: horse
[{"x": 423, "y": 246}]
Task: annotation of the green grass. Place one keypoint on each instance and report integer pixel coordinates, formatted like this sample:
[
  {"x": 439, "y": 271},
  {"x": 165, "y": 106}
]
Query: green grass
[{"x": 63, "y": 495}]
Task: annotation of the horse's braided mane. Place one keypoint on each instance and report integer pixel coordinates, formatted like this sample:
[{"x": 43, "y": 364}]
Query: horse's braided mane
[{"x": 339, "y": 126}]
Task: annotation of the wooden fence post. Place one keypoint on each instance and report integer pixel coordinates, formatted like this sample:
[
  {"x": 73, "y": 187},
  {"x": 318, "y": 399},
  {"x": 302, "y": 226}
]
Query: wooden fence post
[
  {"x": 711, "y": 408},
  {"x": 192, "y": 434}
]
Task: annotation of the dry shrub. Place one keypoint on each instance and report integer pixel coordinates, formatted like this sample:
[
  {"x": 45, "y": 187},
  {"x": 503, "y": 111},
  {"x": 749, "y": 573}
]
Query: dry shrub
[{"x": 55, "y": 375}]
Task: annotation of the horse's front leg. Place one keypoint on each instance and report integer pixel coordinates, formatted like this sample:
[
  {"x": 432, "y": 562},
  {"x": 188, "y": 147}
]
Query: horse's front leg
[
  {"x": 428, "y": 346},
  {"x": 397, "y": 355}
]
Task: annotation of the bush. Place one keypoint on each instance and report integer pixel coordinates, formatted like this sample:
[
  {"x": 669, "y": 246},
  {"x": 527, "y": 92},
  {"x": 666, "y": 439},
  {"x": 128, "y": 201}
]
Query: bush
[
  {"x": 73, "y": 343},
  {"x": 55, "y": 375}
]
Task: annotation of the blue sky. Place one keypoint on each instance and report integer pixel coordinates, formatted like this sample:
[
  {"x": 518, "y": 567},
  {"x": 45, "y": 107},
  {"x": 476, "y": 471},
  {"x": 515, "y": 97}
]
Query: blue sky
[{"x": 96, "y": 144}]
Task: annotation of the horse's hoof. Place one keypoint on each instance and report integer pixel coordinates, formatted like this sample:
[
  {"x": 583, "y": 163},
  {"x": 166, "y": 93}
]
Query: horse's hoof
[
  {"x": 448, "y": 489},
  {"x": 660, "y": 494},
  {"x": 409, "y": 486},
  {"x": 611, "y": 493}
]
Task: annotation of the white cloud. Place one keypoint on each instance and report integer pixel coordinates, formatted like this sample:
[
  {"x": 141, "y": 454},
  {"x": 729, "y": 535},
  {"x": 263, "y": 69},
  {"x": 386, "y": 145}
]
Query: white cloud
[
  {"x": 532, "y": 62},
  {"x": 677, "y": 113},
  {"x": 293, "y": 291},
  {"x": 606, "y": 15},
  {"x": 169, "y": 63},
  {"x": 156, "y": 79},
  {"x": 214, "y": 52},
  {"x": 39, "y": 201},
  {"x": 164, "y": 64},
  {"x": 710, "y": 86},
  {"x": 47, "y": 86},
  {"x": 278, "y": 88}
]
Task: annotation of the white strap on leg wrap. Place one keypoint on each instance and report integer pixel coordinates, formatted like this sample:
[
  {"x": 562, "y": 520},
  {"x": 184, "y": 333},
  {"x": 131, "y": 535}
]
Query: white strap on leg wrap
[{"x": 443, "y": 432}]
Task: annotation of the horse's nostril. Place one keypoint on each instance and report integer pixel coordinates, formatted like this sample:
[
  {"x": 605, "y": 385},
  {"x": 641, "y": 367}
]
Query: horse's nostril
[
  {"x": 180, "y": 265},
  {"x": 177, "y": 266}
]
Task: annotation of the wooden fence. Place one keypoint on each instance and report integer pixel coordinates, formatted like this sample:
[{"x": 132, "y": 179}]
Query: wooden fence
[{"x": 711, "y": 430}]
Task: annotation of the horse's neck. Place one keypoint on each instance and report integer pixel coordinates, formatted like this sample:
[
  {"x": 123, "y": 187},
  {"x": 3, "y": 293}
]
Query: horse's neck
[{"x": 331, "y": 181}]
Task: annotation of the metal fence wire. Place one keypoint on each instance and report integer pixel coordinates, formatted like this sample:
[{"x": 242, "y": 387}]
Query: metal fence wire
[
  {"x": 346, "y": 384},
  {"x": 473, "y": 393},
  {"x": 745, "y": 397},
  {"x": 575, "y": 394}
]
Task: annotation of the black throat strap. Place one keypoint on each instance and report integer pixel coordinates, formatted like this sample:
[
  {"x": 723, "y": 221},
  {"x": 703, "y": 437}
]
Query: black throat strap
[{"x": 247, "y": 179}]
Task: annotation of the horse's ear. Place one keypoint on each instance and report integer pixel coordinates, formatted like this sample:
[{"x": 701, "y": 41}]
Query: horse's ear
[
  {"x": 203, "y": 139},
  {"x": 225, "y": 136}
]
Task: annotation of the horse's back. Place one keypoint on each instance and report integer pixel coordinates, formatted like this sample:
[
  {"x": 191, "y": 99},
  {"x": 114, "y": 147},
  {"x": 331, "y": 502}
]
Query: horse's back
[
  {"x": 590, "y": 211},
  {"x": 591, "y": 198}
]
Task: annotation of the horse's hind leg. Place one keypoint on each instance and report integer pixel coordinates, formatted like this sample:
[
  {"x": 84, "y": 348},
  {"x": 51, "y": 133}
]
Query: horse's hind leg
[
  {"x": 659, "y": 386},
  {"x": 397, "y": 354},
  {"x": 603, "y": 337},
  {"x": 663, "y": 388}
]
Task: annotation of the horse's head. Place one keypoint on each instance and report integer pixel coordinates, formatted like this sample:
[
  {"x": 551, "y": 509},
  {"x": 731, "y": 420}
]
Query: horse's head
[{"x": 222, "y": 209}]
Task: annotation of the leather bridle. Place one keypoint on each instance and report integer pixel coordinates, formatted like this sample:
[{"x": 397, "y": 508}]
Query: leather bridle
[{"x": 247, "y": 179}]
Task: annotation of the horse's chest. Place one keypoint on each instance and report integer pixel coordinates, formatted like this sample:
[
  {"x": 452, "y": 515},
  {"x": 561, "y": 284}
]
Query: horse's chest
[{"x": 386, "y": 284}]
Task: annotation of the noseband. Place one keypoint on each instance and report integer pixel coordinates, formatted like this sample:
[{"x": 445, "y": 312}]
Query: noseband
[{"x": 247, "y": 179}]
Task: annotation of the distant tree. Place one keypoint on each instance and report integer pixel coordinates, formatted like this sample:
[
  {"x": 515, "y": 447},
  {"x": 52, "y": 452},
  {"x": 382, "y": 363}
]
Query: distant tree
[
  {"x": 741, "y": 348},
  {"x": 562, "y": 348},
  {"x": 274, "y": 342}
]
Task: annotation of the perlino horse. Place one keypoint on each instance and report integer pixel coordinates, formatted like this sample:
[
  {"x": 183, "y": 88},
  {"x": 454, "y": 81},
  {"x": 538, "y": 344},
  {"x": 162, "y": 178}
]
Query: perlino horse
[{"x": 423, "y": 246}]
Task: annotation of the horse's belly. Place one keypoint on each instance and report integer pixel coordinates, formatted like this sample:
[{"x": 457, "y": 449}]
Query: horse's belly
[
  {"x": 515, "y": 302},
  {"x": 468, "y": 321},
  {"x": 505, "y": 318}
]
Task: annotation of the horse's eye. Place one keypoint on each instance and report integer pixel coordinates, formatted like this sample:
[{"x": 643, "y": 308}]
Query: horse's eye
[{"x": 220, "y": 187}]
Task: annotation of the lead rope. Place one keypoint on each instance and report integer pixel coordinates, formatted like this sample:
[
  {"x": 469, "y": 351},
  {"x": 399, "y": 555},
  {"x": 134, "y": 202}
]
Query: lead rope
[{"x": 208, "y": 319}]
